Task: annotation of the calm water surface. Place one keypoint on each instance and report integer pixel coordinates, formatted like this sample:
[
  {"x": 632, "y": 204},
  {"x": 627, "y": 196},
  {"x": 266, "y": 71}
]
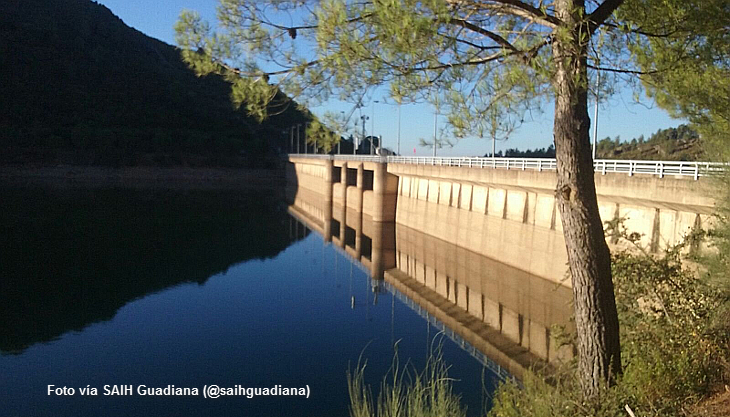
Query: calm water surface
[{"x": 187, "y": 288}]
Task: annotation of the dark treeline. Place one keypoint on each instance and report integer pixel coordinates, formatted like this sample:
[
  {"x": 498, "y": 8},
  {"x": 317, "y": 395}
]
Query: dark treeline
[
  {"x": 548, "y": 152},
  {"x": 674, "y": 144},
  {"x": 681, "y": 144},
  {"x": 79, "y": 84}
]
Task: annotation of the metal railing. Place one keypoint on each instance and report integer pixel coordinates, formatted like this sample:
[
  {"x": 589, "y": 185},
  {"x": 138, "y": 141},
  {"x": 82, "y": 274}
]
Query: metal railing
[
  {"x": 539, "y": 164},
  {"x": 630, "y": 167},
  {"x": 660, "y": 168},
  {"x": 314, "y": 156},
  {"x": 363, "y": 158}
]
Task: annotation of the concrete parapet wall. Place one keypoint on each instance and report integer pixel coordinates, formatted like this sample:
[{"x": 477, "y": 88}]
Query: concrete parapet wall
[
  {"x": 521, "y": 225},
  {"x": 539, "y": 251},
  {"x": 671, "y": 190}
]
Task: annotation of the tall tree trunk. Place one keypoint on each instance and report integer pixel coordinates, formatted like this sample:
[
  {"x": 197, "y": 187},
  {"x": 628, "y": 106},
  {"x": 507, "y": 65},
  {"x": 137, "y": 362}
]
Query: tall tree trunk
[{"x": 596, "y": 319}]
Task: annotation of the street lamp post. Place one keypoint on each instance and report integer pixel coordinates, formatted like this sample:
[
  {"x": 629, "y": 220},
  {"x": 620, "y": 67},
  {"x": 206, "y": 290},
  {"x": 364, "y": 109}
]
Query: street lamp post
[
  {"x": 435, "y": 120},
  {"x": 364, "y": 119},
  {"x": 398, "y": 129},
  {"x": 372, "y": 129},
  {"x": 339, "y": 142}
]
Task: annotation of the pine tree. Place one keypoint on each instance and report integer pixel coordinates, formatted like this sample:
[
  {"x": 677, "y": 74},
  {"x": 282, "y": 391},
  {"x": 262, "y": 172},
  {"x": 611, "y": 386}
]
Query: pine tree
[{"x": 472, "y": 59}]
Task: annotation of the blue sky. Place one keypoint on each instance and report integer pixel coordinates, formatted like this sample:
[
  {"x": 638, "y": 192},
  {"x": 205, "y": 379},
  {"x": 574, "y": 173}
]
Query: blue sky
[{"x": 618, "y": 116}]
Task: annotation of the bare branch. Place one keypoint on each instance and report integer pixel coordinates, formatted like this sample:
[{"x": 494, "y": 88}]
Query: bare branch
[
  {"x": 639, "y": 31},
  {"x": 289, "y": 28},
  {"x": 472, "y": 44},
  {"x": 602, "y": 13},
  {"x": 623, "y": 71},
  {"x": 491, "y": 35},
  {"x": 265, "y": 75},
  {"x": 530, "y": 12},
  {"x": 509, "y": 7}
]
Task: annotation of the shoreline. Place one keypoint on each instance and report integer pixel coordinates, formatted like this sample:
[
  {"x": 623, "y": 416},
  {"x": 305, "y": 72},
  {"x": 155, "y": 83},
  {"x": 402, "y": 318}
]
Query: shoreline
[{"x": 140, "y": 177}]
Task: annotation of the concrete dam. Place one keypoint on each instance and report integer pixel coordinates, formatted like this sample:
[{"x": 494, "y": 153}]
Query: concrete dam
[{"x": 480, "y": 249}]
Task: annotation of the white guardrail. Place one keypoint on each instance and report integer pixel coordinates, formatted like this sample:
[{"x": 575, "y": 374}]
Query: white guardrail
[{"x": 630, "y": 167}]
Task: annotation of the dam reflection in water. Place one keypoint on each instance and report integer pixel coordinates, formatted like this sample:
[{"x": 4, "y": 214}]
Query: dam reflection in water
[{"x": 500, "y": 314}]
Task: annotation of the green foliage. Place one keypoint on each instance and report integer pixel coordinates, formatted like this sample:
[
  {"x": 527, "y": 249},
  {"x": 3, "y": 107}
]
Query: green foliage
[
  {"x": 689, "y": 63},
  {"x": 321, "y": 136},
  {"x": 681, "y": 143},
  {"x": 717, "y": 261},
  {"x": 482, "y": 64},
  {"x": 420, "y": 49}
]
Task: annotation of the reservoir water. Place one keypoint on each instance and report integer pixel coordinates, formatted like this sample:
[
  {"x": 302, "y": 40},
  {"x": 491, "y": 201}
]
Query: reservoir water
[{"x": 103, "y": 287}]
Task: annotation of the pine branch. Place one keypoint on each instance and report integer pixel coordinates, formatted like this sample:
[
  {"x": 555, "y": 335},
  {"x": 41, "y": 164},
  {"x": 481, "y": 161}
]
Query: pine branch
[
  {"x": 480, "y": 30},
  {"x": 521, "y": 9},
  {"x": 623, "y": 71},
  {"x": 602, "y": 13}
]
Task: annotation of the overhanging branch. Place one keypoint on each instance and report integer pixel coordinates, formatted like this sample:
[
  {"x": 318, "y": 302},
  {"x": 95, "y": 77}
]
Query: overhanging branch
[
  {"x": 623, "y": 71},
  {"x": 509, "y": 7},
  {"x": 602, "y": 13},
  {"x": 480, "y": 30},
  {"x": 533, "y": 13}
]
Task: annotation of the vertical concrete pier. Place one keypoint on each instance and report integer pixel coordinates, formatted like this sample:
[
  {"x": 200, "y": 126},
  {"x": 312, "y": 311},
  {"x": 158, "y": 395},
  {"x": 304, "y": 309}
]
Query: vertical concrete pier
[
  {"x": 343, "y": 213},
  {"x": 358, "y": 218},
  {"x": 327, "y": 208},
  {"x": 383, "y": 248},
  {"x": 385, "y": 190}
]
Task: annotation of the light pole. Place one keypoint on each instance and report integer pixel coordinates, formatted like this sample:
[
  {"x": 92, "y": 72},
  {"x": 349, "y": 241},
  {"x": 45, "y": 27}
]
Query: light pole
[
  {"x": 372, "y": 128},
  {"x": 364, "y": 119},
  {"x": 340, "y": 140},
  {"x": 435, "y": 120},
  {"x": 398, "y": 129}
]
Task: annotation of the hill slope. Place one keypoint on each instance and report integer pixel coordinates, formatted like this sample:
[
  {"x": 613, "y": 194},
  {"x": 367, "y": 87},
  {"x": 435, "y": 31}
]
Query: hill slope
[
  {"x": 75, "y": 77},
  {"x": 672, "y": 144}
]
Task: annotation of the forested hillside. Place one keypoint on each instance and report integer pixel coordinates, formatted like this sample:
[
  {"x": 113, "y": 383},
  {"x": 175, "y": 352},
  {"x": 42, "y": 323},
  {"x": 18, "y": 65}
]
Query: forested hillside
[
  {"x": 673, "y": 144},
  {"x": 80, "y": 86}
]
